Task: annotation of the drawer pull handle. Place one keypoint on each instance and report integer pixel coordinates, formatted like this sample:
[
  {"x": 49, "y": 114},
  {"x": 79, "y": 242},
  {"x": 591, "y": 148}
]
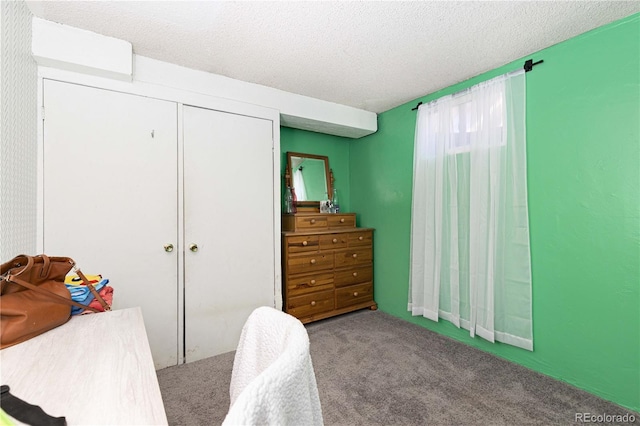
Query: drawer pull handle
[
  {"x": 335, "y": 240},
  {"x": 360, "y": 238},
  {"x": 313, "y": 221},
  {"x": 355, "y": 274},
  {"x": 313, "y": 282},
  {"x": 355, "y": 294},
  {"x": 313, "y": 261},
  {"x": 313, "y": 303},
  {"x": 304, "y": 243},
  {"x": 342, "y": 220},
  {"x": 355, "y": 255}
]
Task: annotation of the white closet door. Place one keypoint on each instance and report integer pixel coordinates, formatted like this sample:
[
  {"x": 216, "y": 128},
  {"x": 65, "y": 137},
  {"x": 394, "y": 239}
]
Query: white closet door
[
  {"x": 229, "y": 214},
  {"x": 110, "y": 198}
]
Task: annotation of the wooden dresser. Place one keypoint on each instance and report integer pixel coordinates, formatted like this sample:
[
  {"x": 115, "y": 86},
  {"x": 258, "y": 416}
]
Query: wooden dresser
[{"x": 327, "y": 265}]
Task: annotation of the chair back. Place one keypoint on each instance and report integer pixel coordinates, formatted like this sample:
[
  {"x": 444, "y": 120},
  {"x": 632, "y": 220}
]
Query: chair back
[{"x": 273, "y": 381}]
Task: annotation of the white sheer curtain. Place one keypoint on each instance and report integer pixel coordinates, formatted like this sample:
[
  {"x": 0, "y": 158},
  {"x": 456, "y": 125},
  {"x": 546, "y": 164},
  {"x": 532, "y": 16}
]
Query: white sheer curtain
[
  {"x": 470, "y": 257},
  {"x": 298, "y": 184}
]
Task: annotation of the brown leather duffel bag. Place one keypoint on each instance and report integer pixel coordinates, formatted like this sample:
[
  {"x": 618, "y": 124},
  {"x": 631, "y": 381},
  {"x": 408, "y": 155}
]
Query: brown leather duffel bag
[{"x": 33, "y": 297}]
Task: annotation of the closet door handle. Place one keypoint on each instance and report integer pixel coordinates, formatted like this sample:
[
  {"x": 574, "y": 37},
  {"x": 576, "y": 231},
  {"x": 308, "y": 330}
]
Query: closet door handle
[
  {"x": 193, "y": 247},
  {"x": 168, "y": 248}
]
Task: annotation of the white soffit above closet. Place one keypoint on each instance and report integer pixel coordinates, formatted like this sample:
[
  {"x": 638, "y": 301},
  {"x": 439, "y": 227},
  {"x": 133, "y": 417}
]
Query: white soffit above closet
[{"x": 368, "y": 55}]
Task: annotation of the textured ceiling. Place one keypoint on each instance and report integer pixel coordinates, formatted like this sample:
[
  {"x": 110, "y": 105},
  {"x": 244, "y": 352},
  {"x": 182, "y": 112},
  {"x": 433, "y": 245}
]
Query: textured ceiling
[{"x": 369, "y": 55}]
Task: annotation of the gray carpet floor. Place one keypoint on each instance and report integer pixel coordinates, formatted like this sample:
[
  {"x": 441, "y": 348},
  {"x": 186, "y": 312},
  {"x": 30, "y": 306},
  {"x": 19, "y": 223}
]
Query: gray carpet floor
[{"x": 374, "y": 369}]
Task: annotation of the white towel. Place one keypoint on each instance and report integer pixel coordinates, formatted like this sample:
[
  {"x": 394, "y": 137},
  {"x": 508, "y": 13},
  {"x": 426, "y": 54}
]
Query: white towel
[{"x": 273, "y": 382}]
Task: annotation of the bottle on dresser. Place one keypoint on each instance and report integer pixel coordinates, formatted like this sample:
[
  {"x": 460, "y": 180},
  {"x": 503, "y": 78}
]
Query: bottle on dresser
[{"x": 335, "y": 204}]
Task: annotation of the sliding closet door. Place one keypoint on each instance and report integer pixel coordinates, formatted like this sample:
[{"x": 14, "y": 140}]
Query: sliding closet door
[
  {"x": 110, "y": 199},
  {"x": 228, "y": 203}
]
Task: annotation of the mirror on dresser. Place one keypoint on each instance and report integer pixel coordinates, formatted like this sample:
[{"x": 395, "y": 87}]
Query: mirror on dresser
[{"x": 311, "y": 177}]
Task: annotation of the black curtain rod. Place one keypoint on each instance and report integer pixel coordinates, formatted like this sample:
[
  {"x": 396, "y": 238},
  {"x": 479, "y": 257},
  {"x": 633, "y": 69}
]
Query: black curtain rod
[{"x": 528, "y": 66}]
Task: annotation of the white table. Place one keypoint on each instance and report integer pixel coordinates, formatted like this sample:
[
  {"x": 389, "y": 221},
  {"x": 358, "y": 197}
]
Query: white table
[{"x": 95, "y": 369}]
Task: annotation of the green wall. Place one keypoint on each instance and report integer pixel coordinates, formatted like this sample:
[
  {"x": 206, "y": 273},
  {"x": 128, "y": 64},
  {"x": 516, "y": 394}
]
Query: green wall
[
  {"x": 334, "y": 147},
  {"x": 583, "y": 131},
  {"x": 583, "y": 139}
]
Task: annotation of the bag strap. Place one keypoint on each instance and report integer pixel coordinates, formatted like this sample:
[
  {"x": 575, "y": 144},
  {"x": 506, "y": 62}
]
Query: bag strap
[
  {"x": 25, "y": 412},
  {"x": 93, "y": 291},
  {"x": 25, "y": 267},
  {"x": 23, "y": 283},
  {"x": 45, "y": 266}
]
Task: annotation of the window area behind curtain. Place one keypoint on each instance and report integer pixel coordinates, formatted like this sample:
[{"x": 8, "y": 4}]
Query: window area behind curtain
[{"x": 470, "y": 255}]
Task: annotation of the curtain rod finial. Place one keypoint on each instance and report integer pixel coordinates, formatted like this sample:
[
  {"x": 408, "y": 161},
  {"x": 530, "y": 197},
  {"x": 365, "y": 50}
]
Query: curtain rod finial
[{"x": 529, "y": 64}]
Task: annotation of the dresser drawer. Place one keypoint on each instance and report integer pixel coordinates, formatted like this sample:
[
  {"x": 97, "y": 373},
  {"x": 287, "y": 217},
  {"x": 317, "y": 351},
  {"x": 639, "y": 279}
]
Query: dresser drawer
[
  {"x": 310, "y": 304},
  {"x": 364, "y": 238},
  {"x": 356, "y": 256},
  {"x": 341, "y": 220},
  {"x": 353, "y": 275},
  {"x": 354, "y": 295},
  {"x": 333, "y": 241},
  {"x": 307, "y": 223},
  {"x": 303, "y": 243},
  {"x": 297, "y": 286},
  {"x": 309, "y": 263}
]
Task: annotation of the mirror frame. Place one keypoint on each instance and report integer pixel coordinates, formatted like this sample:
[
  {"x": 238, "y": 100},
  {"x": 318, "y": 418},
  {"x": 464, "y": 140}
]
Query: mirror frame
[{"x": 309, "y": 205}]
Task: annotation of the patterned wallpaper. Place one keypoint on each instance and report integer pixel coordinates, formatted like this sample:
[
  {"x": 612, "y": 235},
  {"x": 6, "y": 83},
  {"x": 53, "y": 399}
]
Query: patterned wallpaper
[{"x": 18, "y": 129}]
